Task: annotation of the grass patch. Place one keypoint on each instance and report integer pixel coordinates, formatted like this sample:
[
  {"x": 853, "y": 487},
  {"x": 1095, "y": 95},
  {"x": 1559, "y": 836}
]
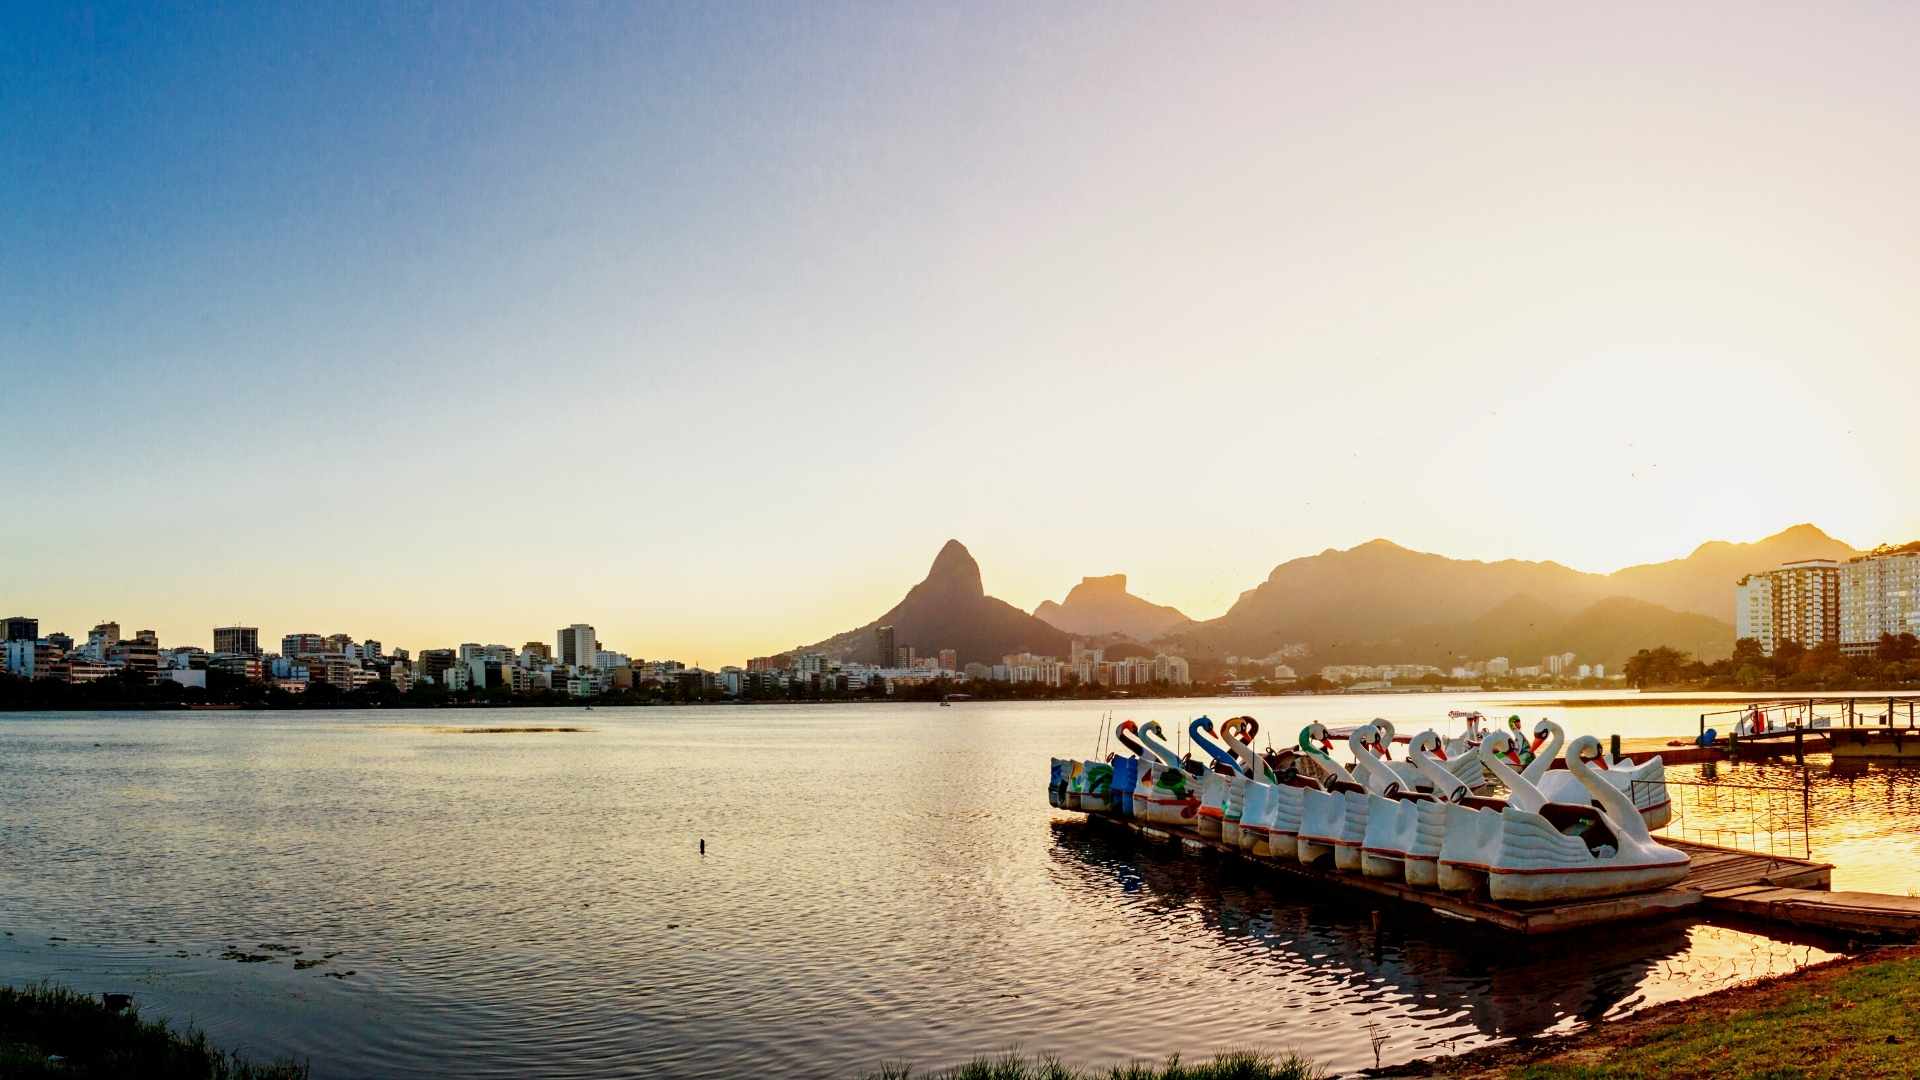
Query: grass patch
[
  {"x": 51, "y": 1031},
  {"x": 1240, "y": 1065},
  {"x": 1855, "y": 1018}
]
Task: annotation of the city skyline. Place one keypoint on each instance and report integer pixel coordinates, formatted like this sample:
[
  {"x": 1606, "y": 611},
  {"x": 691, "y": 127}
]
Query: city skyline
[
  {"x": 587, "y": 633},
  {"x": 712, "y": 322}
]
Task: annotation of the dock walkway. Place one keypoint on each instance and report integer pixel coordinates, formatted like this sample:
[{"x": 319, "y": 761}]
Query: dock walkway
[
  {"x": 1716, "y": 872},
  {"x": 1852, "y": 912}
]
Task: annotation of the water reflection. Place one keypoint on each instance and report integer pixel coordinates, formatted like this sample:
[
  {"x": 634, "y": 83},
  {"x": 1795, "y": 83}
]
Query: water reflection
[
  {"x": 1298, "y": 954},
  {"x": 880, "y": 883}
]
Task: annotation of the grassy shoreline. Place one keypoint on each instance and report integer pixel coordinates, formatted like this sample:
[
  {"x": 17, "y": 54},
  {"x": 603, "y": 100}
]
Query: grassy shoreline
[
  {"x": 1234, "y": 1065},
  {"x": 1856, "y": 1017},
  {"x": 50, "y": 1031}
]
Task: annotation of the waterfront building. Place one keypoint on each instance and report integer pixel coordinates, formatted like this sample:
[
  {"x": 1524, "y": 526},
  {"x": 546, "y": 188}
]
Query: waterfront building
[
  {"x": 1499, "y": 665},
  {"x": 949, "y": 660},
  {"x": 606, "y": 660},
  {"x": 1753, "y": 610},
  {"x": 577, "y": 645},
  {"x": 1285, "y": 672},
  {"x": 370, "y": 649},
  {"x": 1879, "y": 594},
  {"x": 435, "y": 663},
  {"x": 302, "y": 645},
  {"x": 29, "y": 659},
  {"x": 535, "y": 650},
  {"x": 99, "y": 639},
  {"x": 141, "y": 655},
  {"x": 903, "y": 656},
  {"x": 86, "y": 671},
  {"x": 237, "y": 640},
  {"x": 244, "y": 665},
  {"x": 1802, "y": 602},
  {"x": 21, "y": 628},
  {"x": 883, "y": 637}
]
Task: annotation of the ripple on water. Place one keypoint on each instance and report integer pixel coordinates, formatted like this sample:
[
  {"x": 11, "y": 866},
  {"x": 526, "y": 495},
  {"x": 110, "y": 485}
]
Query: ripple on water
[{"x": 880, "y": 884}]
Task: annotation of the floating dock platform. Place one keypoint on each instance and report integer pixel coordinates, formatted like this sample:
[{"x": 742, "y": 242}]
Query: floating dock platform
[{"x": 1716, "y": 872}]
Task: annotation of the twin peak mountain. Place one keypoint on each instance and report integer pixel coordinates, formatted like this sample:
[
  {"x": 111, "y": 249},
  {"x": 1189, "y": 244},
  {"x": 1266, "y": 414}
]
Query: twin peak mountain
[{"x": 1375, "y": 603}]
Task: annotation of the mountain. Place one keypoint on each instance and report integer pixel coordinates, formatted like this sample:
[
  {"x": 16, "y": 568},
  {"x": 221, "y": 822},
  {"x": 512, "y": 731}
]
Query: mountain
[
  {"x": 951, "y": 610},
  {"x": 1703, "y": 581},
  {"x": 1380, "y": 602},
  {"x": 1102, "y": 605},
  {"x": 1380, "y": 597}
]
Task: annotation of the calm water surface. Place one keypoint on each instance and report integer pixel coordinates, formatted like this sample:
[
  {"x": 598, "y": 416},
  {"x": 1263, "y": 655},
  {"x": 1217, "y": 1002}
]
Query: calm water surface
[{"x": 881, "y": 883}]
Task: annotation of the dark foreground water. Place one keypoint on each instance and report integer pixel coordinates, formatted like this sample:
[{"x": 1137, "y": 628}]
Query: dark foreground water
[{"x": 880, "y": 884}]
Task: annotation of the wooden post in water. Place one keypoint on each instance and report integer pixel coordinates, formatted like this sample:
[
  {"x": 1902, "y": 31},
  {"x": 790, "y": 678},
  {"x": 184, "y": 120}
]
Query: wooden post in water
[
  {"x": 1614, "y": 745},
  {"x": 1799, "y": 746}
]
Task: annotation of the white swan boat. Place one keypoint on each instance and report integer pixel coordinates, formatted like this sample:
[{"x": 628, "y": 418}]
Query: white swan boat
[
  {"x": 1645, "y": 783},
  {"x": 1376, "y": 779},
  {"x": 1239, "y": 733},
  {"x": 1551, "y": 851},
  {"x": 1213, "y": 782},
  {"x": 1167, "y": 794},
  {"x": 1323, "y": 812}
]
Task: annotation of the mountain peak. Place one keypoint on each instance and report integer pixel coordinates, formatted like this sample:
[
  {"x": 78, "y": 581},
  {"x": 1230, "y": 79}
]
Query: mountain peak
[
  {"x": 1806, "y": 530},
  {"x": 1103, "y": 585},
  {"x": 955, "y": 566},
  {"x": 1101, "y": 605}
]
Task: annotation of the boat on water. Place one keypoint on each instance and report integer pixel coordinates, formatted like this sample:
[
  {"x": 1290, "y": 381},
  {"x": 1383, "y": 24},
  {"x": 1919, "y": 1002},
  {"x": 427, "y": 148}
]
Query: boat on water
[{"x": 1560, "y": 834}]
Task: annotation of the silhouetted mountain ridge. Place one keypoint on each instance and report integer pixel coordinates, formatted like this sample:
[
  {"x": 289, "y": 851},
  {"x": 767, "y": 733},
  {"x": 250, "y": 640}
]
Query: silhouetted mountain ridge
[
  {"x": 949, "y": 609},
  {"x": 1381, "y": 602},
  {"x": 1102, "y": 605}
]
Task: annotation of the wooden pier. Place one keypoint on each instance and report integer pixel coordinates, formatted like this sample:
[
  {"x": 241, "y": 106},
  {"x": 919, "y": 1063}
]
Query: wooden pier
[
  {"x": 1716, "y": 872},
  {"x": 1872, "y": 914}
]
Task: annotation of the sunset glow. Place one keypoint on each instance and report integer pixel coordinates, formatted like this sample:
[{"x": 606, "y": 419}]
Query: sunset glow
[{"x": 711, "y": 325}]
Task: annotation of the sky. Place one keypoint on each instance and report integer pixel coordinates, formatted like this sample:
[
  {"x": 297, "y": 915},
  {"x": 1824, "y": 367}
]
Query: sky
[{"x": 710, "y": 324}]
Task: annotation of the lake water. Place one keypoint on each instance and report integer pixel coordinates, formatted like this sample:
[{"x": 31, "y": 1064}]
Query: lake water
[{"x": 881, "y": 883}]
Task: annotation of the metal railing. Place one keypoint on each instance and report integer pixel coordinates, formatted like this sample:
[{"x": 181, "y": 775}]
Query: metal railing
[
  {"x": 1771, "y": 819},
  {"x": 1815, "y": 712}
]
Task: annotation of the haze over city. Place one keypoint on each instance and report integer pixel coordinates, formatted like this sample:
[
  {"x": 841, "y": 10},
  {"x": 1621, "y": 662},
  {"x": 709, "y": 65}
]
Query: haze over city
[{"x": 710, "y": 326}]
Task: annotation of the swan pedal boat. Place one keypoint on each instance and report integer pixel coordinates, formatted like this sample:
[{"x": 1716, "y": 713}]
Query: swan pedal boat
[{"x": 1533, "y": 850}]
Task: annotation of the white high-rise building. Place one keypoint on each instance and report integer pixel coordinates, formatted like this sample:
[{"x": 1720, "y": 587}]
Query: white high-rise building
[
  {"x": 1799, "y": 601},
  {"x": 1879, "y": 594},
  {"x": 578, "y": 646},
  {"x": 1753, "y": 610}
]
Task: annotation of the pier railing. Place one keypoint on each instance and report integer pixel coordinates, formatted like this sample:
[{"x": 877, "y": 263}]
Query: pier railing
[
  {"x": 1811, "y": 713},
  {"x": 1770, "y": 819}
]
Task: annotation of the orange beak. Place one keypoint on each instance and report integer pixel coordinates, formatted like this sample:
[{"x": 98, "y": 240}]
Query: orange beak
[
  {"x": 1538, "y": 740},
  {"x": 1513, "y": 757},
  {"x": 1440, "y": 752},
  {"x": 1600, "y": 761}
]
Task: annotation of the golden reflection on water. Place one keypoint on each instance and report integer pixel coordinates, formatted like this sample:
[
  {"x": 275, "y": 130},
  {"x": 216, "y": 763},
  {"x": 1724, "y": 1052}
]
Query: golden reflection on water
[{"x": 879, "y": 883}]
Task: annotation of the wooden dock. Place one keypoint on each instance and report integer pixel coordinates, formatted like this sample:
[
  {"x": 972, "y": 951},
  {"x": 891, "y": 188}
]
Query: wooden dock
[
  {"x": 1716, "y": 871},
  {"x": 1871, "y": 914}
]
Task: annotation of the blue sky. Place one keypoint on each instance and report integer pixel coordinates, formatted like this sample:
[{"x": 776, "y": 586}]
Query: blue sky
[{"x": 709, "y": 324}]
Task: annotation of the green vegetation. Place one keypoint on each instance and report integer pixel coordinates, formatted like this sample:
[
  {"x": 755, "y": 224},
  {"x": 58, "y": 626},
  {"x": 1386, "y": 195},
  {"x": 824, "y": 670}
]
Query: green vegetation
[
  {"x": 51, "y": 1031},
  {"x": 1234, "y": 1066},
  {"x": 1894, "y": 663},
  {"x": 1850, "y": 1018}
]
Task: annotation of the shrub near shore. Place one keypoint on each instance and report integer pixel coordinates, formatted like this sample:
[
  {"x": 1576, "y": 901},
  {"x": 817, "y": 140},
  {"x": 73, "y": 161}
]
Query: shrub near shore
[
  {"x": 1240, "y": 1065},
  {"x": 52, "y": 1031}
]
